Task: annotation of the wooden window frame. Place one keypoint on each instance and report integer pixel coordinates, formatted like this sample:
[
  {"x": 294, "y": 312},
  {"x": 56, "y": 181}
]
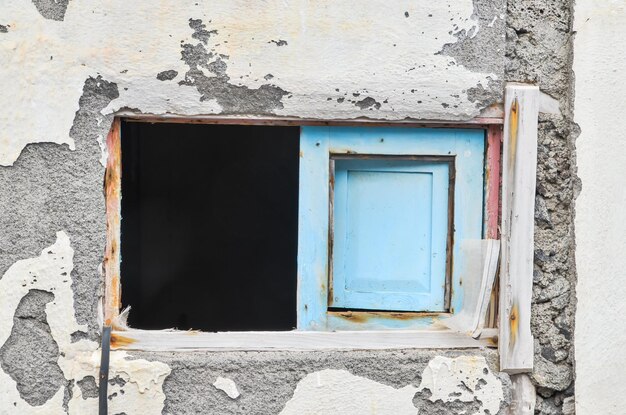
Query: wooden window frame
[
  {"x": 134, "y": 339},
  {"x": 318, "y": 147}
]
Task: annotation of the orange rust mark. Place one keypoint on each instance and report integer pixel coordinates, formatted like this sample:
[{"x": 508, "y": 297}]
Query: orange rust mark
[
  {"x": 112, "y": 193},
  {"x": 513, "y": 129},
  {"x": 118, "y": 341},
  {"x": 513, "y": 325},
  {"x": 364, "y": 316}
]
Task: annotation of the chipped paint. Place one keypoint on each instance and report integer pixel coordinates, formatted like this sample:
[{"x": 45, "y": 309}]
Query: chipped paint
[
  {"x": 333, "y": 62},
  {"x": 330, "y": 392},
  {"x": 464, "y": 378},
  {"x": 142, "y": 388},
  {"x": 227, "y": 386}
]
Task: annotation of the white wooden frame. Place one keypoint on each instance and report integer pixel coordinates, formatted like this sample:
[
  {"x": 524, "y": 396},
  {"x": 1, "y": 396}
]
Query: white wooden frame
[
  {"x": 165, "y": 340},
  {"x": 170, "y": 340},
  {"x": 518, "y": 206}
]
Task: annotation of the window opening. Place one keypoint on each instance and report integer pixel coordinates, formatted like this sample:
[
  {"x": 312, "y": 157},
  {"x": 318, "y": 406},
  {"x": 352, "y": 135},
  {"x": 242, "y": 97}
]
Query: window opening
[{"x": 209, "y": 226}]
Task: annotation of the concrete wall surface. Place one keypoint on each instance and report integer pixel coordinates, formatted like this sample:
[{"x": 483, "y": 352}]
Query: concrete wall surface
[
  {"x": 68, "y": 66},
  {"x": 600, "y": 69}
]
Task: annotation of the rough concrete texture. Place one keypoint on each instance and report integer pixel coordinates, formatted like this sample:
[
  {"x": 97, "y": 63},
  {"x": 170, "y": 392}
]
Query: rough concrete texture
[
  {"x": 539, "y": 50},
  {"x": 51, "y": 188},
  {"x": 267, "y": 381},
  {"x": 30, "y": 353},
  {"x": 52, "y": 9}
]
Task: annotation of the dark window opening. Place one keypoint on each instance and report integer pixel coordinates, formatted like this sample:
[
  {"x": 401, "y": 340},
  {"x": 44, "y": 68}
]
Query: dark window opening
[{"x": 209, "y": 226}]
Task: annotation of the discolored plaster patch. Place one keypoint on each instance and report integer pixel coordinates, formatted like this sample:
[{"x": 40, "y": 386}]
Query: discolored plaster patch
[{"x": 52, "y": 9}]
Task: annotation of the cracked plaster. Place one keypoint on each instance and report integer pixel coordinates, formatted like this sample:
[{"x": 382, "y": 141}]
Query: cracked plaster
[{"x": 326, "y": 55}]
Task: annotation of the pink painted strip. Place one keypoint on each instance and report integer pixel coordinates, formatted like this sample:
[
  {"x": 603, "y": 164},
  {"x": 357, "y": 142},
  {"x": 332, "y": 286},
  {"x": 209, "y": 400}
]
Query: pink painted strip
[{"x": 494, "y": 140}]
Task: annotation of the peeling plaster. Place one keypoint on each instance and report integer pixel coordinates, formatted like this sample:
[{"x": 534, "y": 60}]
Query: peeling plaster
[
  {"x": 330, "y": 392},
  {"x": 464, "y": 379},
  {"x": 326, "y": 54},
  {"x": 464, "y": 382},
  {"x": 142, "y": 389},
  {"x": 227, "y": 386}
]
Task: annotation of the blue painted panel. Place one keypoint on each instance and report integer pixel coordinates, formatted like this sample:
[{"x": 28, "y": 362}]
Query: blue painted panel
[
  {"x": 317, "y": 144},
  {"x": 390, "y": 232}
]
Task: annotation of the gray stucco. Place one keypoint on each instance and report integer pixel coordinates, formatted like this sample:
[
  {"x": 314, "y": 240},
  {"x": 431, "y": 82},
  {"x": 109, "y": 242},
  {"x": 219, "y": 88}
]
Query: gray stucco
[{"x": 51, "y": 188}]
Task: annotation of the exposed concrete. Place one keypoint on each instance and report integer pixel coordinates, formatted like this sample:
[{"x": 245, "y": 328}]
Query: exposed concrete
[
  {"x": 51, "y": 9},
  {"x": 88, "y": 387},
  {"x": 600, "y": 67},
  {"x": 268, "y": 380},
  {"x": 539, "y": 50},
  {"x": 167, "y": 75},
  {"x": 232, "y": 98},
  {"x": 30, "y": 353},
  {"x": 52, "y": 188}
]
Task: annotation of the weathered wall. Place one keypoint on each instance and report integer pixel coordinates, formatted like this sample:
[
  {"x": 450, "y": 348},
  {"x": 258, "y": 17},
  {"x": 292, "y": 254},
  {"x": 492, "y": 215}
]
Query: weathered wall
[
  {"x": 69, "y": 65},
  {"x": 539, "y": 50},
  {"x": 600, "y": 68}
]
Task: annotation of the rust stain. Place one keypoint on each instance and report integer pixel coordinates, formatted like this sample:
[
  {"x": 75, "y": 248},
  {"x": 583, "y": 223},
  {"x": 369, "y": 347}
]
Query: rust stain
[
  {"x": 513, "y": 325},
  {"x": 118, "y": 341},
  {"x": 365, "y": 316},
  {"x": 513, "y": 130},
  {"x": 112, "y": 193}
]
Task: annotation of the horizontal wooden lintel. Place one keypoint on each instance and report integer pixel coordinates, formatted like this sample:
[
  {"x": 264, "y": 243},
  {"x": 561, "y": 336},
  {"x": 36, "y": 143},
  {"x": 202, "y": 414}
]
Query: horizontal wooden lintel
[
  {"x": 162, "y": 340},
  {"x": 478, "y": 122}
]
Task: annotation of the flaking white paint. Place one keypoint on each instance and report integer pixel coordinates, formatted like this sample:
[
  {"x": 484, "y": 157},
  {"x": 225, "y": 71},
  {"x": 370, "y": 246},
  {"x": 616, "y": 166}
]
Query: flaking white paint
[
  {"x": 51, "y": 271},
  {"x": 334, "y": 50},
  {"x": 600, "y": 69},
  {"x": 463, "y": 378},
  {"x": 330, "y": 392}
]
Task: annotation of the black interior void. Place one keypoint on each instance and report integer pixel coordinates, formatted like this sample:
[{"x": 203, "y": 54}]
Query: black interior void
[{"x": 209, "y": 226}]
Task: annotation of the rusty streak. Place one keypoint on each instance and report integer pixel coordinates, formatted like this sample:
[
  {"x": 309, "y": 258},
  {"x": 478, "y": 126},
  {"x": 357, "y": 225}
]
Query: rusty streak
[
  {"x": 119, "y": 342},
  {"x": 112, "y": 193},
  {"x": 513, "y": 325},
  {"x": 513, "y": 128},
  {"x": 365, "y": 316}
]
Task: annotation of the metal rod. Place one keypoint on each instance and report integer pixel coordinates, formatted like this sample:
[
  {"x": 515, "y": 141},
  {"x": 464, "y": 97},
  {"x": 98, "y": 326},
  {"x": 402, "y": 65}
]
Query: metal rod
[{"x": 104, "y": 371}]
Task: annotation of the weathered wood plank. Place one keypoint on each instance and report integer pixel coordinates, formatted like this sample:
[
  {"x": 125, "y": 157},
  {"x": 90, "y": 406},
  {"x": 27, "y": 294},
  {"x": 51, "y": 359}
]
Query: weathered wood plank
[
  {"x": 518, "y": 204},
  {"x": 113, "y": 197},
  {"x": 161, "y": 340}
]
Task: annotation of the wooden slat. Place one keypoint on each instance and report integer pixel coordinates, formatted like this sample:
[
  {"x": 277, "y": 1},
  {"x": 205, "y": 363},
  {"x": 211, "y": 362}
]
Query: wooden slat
[
  {"x": 154, "y": 340},
  {"x": 113, "y": 193},
  {"x": 493, "y": 117},
  {"x": 518, "y": 204}
]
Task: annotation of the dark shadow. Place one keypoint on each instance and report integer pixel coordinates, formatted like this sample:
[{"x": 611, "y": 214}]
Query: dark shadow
[{"x": 209, "y": 226}]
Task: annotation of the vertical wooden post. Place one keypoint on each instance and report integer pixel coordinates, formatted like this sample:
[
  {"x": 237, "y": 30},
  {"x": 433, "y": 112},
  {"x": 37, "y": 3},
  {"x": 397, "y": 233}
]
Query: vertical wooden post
[
  {"x": 113, "y": 196},
  {"x": 518, "y": 206}
]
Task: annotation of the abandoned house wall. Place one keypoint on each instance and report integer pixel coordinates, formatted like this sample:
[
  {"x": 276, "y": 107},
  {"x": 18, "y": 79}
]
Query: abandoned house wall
[
  {"x": 68, "y": 66},
  {"x": 600, "y": 59}
]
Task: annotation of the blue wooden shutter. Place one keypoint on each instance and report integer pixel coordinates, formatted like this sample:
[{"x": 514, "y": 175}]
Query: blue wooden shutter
[
  {"x": 390, "y": 229},
  {"x": 370, "y": 264}
]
